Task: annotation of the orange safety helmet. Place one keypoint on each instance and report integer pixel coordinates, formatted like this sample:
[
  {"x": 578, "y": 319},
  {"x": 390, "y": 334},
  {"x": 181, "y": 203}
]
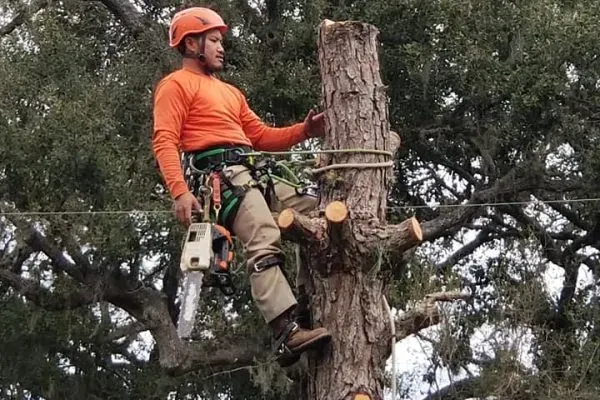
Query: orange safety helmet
[{"x": 194, "y": 20}]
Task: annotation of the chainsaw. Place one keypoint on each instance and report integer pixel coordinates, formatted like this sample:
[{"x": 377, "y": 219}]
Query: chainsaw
[{"x": 206, "y": 255}]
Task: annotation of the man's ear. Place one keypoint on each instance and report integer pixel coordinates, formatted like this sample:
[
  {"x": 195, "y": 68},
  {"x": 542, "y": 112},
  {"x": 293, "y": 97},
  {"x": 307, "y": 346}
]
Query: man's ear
[{"x": 190, "y": 45}]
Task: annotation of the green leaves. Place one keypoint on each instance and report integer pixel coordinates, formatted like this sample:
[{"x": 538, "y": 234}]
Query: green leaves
[{"x": 484, "y": 95}]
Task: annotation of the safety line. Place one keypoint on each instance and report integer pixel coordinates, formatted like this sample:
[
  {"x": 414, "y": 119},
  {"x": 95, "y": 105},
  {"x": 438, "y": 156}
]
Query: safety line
[
  {"x": 439, "y": 206},
  {"x": 107, "y": 212}
]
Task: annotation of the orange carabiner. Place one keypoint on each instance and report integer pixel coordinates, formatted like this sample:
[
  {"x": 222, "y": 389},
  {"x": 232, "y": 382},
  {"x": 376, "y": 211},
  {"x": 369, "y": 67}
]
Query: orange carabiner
[{"x": 216, "y": 188}]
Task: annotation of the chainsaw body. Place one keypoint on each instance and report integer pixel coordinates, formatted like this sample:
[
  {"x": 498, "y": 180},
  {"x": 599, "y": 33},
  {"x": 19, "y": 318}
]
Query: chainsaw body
[
  {"x": 197, "y": 253},
  {"x": 205, "y": 258}
]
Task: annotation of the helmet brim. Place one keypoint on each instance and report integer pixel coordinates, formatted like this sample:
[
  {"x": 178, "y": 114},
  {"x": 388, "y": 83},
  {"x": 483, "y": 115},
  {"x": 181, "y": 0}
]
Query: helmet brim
[{"x": 222, "y": 28}]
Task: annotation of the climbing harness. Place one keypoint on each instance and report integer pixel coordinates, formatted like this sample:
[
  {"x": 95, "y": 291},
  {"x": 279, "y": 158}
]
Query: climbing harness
[
  {"x": 207, "y": 250},
  {"x": 208, "y": 246},
  {"x": 209, "y": 167}
]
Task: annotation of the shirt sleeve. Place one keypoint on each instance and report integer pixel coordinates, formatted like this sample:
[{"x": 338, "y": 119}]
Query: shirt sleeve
[
  {"x": 170, "y": 110},
  {"x": 267, "y": 138}
]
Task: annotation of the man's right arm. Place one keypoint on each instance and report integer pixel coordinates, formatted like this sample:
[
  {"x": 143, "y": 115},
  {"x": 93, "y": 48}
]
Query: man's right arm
[{"x": 170, "y": 110}]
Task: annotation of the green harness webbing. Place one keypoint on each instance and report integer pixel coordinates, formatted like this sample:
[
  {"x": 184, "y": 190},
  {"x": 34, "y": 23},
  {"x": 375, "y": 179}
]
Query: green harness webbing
[{"x": 217, "y": 159}]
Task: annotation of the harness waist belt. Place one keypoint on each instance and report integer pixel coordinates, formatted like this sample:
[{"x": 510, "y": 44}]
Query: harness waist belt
[{"x": 222, "y": 155}]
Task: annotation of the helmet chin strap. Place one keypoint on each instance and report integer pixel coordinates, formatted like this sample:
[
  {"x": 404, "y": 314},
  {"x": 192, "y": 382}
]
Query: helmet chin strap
[{"x": 200, "y": 56}]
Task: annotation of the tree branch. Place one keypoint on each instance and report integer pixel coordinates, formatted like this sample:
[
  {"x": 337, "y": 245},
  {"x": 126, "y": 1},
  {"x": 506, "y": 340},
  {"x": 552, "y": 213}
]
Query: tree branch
[
  {"x": 123, "y": 349},
  {"x": 425, "y": 314},
  {"x": 482, "y": 237},
  {"x": 299, "y": 228},
  {"x": 127, "y": 14},
  {"x": 41, "y": 243},
  {"x": 553, "y": 253},
  {"x": 176, "y": 356},
  {"x": 22, "y": 15},
  {"x": 72, "y": 246},
  {"x": 395, "y": 141},
  {"x": 14, "y": 260},
  {"x": 252, "y": 17},
  {"x": 549, "y": 246},
  {"x": 441, "y": 184},
  {"x": 560, "y": 186},
  {"x": 242, "y": 353},
  {"x": 66, "y": 300},
  {"x": 146, "y": 305},
  {"x": 426, "y": 153},
  {"x": 570, "y": 215},
  {"x": 592, "y": 237},
  {"x": 562, "y": 317},
  {"x": 128, "y": 330},
  {"x": 463, "y": 389},
  {"x": 482, "y": 144},
  {"x": 336, "y": 215},
  {"x": 508, "y": 187},
  {"x": 591, "y": 264},
  {"x": 398, "y": 238},
  {"x": 450, "y": 221},
  {"x": 38, "y": 242}
]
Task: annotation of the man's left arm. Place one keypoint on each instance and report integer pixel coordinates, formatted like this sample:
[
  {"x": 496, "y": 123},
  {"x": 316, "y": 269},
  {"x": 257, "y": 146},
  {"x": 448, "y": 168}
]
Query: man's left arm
[{"x": 268, "y": 138}]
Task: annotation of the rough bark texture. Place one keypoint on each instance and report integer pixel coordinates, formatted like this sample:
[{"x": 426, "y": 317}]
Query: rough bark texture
[
  {"x": 344, "y": 284},
  {"x": 356, "y": 117}
]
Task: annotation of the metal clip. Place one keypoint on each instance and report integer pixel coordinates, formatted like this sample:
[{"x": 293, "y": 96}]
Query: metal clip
[
  {"x": 207, "y": 191},
  {"x": 216, "y": 194}
]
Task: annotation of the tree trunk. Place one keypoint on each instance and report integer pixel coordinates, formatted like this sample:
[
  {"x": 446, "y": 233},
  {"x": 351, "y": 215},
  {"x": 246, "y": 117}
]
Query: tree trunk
[
  {"x": 356, "y": 116},
  {"x": 342, "y": 272}
]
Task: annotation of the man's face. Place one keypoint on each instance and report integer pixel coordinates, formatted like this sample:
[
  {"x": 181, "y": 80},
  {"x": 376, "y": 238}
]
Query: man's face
[{"x": 213, "y": 50}]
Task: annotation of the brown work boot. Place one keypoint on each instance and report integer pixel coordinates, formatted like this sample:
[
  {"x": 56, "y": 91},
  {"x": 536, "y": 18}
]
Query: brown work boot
[
  {"x": 292, "y": 340},
  {"x": 301, "y": 339}
]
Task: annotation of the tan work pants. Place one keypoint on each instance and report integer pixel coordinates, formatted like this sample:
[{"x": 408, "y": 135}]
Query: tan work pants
[{"x": 256, "y": 229}]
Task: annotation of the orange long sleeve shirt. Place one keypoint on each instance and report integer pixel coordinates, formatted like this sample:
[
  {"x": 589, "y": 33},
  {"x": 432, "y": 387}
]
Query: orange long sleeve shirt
[{"x": 194, "y": 111}]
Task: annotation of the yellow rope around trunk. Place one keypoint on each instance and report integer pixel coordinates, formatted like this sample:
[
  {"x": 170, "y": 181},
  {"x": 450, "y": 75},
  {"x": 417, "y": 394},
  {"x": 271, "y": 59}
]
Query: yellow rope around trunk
[{"x": 315, "y": 171}]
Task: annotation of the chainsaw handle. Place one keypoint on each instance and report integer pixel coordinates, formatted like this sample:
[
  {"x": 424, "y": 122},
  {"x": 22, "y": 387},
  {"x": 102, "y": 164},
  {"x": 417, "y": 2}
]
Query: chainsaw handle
[{"x": 223, "y": 255}]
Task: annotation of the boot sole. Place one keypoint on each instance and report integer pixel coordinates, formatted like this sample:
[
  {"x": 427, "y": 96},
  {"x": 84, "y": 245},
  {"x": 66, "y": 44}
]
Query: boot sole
[{"x": 315, "y": 343}]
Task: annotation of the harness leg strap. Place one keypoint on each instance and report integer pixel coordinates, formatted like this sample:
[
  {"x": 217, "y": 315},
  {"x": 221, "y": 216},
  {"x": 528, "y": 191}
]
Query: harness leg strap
[{"x": 266, "y": 263}]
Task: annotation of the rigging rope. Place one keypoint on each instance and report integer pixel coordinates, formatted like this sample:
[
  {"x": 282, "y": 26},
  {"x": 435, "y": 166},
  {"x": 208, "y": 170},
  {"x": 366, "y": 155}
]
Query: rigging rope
[{"x": 433, "y": 206}]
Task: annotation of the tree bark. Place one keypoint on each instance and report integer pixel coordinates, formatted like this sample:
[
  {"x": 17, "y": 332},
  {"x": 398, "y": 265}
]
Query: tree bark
[
  {"x": 356, "y": 117},
  {"x": 344, "y": 285}
]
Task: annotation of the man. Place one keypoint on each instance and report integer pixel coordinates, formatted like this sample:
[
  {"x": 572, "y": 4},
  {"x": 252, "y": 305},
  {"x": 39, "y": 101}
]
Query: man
[{"x": 210, "y": 121}]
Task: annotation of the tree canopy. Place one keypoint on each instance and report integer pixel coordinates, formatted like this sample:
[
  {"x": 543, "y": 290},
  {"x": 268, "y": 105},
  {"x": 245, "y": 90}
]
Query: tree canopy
[{"x": 497, "y": 107}]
